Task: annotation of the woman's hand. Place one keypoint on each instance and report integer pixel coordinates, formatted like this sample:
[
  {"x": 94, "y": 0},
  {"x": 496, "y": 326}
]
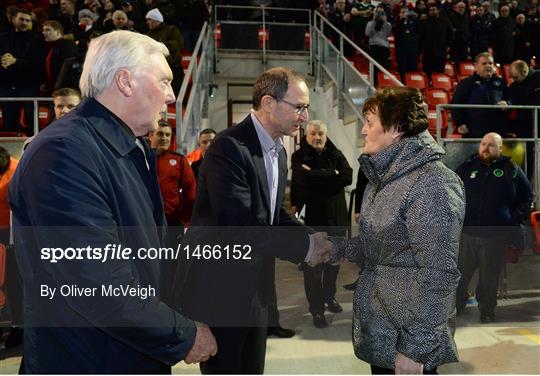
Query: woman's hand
[{"x": 406, "y": 366}]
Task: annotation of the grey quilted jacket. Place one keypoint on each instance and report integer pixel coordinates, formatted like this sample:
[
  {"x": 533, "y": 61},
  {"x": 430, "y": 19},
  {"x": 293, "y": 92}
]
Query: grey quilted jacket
[{"x": 410, "y": 224}]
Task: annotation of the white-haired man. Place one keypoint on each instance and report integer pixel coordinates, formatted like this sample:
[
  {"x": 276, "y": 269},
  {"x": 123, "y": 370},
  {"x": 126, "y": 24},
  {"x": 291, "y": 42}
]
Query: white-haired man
[{"x": 88, "y": 185}]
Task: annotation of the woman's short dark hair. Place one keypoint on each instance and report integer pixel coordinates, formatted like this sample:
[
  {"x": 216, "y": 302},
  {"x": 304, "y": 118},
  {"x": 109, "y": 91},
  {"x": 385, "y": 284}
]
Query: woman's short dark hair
[
  {"x": 400, "y": 108},
  {"x": 273, "y": 82}
]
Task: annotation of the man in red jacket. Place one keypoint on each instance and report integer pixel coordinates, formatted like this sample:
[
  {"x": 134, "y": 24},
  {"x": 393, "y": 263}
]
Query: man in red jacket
[{"x": 176, "y": 180}]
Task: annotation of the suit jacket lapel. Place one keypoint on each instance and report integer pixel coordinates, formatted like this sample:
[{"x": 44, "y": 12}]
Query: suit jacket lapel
[{"x": 255, "y": 148}]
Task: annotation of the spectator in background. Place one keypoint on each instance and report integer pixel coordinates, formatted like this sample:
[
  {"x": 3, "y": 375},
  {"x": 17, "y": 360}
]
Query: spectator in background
[
  {"x": 119, "y": 21},
  {"x": 361, "y": 14},
  {"x": 64, "y": 100},
  {"x": 176, "y": 180},
  {"x": 435, "y": 37},
  {"x": 68, "y": 16},
  {"x": 421, "y": 10},
  {"x": 499, "y": 198},
  {"x": 87, "y": 22},
  {"x": 178, "y": 187},
  {"x": 320, "y": 173},
  {"x": 171, "y": 37},
  {"x": 21, "y": 51},
  {"x": 406, "y": 39},
  {"x": 59, "y": 50},
  {"x": 39, "y": 16},
  {"x": 502, "y": 36},
  {"x": 525, "y": 90},
  {"x": 192, "y": 15},
  {"x": 515, "y": 9},
  {"x": 487, "y": 11},
  {"x": 378, "y": 30},
  {"x": 12, "y": 286},
  {"x": 460, "y": 26},
  {"x": 483, "y": 87},
  {"x": 340, "y": 17},
  {"x": 525, "y": 39},
  {"x": 480, "y": 28},
  {"x": 134, "y": 14},
  {"x": 6, "y": 21},
  {"x": 206, "y": 136}
]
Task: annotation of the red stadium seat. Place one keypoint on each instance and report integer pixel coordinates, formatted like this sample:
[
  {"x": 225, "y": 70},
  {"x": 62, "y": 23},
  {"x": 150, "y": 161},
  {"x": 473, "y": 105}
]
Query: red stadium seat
[
  {"x": 466, "y": 68},
  {"x": 44, "y": 117},
  {"x": 442, "y": 81},
  {"x": 386, "y": 81},
  {"x": 432, "y": 118},
  {"x": 450, "y": 69},
  {"x": 416, "y": 79},
  {"x": 436, "y": 96}
]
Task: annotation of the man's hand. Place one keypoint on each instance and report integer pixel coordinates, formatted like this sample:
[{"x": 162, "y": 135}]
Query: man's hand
[
  {"x": 406, "y": 366},
  {"x": 8, "y": 59},
  {"x": 357, "y": 217},
  {"x": 463, "y": 129},
  {"x": 306, "y": 167},
  {"x": 323, "y": 249},
  {"x": 204, "y": 347}
]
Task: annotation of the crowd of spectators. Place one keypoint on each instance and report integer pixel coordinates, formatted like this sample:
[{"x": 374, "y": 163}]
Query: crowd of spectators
[
  {"x": 43, "y": 42},
  {"x": 435, "y": 30}
]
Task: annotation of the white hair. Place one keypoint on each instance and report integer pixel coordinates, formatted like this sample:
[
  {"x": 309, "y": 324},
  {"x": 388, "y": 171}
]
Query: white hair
[
  {"x": 111, "y": 52},
  {"x": 320, "y": 125}
]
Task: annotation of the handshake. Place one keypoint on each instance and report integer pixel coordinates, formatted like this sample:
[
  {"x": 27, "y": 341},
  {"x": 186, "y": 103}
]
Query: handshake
[{"x": 323, "y": 249}]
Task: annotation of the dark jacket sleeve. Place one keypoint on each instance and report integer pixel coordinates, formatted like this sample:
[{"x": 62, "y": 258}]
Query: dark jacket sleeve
[
  {"x": 297, "y": 181},
  {"x": 461, "y": 96},
  {"x": 524, "y": 196},
  {"x": 228, "y": 170}
]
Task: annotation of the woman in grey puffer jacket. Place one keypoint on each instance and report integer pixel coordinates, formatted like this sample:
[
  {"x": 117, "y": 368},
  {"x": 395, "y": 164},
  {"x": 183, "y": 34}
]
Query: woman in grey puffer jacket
[{"x": 412, "y": 214}]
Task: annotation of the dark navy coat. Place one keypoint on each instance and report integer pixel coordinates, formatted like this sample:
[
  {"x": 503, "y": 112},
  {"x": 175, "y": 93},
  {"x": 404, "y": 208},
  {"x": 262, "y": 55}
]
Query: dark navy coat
[{"x": 84, "y": 181}]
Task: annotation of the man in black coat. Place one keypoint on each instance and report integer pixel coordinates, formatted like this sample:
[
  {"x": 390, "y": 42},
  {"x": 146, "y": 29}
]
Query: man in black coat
[
  {"x": 89, "y": 181},
  {"x": 320, "y": 174},
  {"x": 239, "y": 225},
  {"x": 482, "y": 88},
  {"x": 480, "y": 29},
  {"x": 435, "y": 37},
  {"x": 20, "y": 51},
  {"x": 525, "y": 91},
  {"x": 460, "y": 23},
  {"x": 59, "y": 50},
  {"x": 502, "y": 36},
  {"x": 499, "y": 198}
]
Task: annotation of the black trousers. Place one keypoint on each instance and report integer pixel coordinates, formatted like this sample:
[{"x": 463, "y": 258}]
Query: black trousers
[
  {"x": 240, "y": 351},
  {"x": 320, "y": 285},
  {"x": 432, "y": 64},
  {"x": 386, "y": 371},
  {"x": 489, "y": 256}
]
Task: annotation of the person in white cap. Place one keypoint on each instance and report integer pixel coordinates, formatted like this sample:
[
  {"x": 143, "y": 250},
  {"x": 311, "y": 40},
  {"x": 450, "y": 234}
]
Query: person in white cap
[{"x": 172, "y": 38}]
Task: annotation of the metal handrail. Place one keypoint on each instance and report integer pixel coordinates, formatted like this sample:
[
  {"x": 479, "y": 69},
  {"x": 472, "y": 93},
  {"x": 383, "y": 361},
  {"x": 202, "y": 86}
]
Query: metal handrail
[
  {"x": 193, "y": 73},
  {"x": 440, "y": 107},
  {"x": 343, "y": 37},
  {"x": 35, "y": 101},
  {"x": 264, "y": 10}
]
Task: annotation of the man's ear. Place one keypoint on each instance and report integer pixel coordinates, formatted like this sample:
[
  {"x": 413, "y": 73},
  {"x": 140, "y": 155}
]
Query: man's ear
[
  {"x": 267, "y": 103},
  {"x": 124, "y": 81}
]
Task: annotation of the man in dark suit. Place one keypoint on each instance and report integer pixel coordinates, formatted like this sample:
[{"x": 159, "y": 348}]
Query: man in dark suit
[
  {"x": 239, "y": 201},
  {"x": 89, "y": 181}
]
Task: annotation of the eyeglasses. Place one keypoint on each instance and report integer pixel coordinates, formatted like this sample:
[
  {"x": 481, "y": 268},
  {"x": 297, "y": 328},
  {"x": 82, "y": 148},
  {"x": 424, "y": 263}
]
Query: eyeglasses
[{"x": 300, "y": 108}]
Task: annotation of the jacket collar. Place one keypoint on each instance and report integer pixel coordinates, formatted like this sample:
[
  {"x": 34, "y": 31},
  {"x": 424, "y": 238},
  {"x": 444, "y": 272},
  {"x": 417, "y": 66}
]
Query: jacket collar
[
  {"x": 108, "y": 125},
  {"x": 400, "y": 158}
]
